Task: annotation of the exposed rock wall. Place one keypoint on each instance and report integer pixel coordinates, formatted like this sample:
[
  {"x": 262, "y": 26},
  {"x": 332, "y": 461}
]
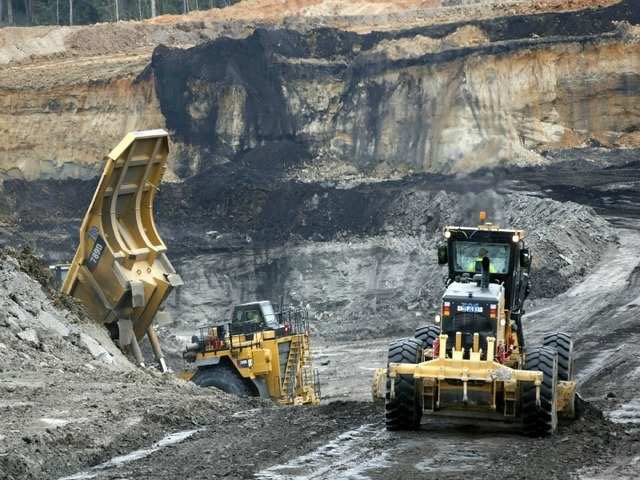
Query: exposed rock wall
[
  {"x": 441, "y": 98},
  {"x": 448, "y": 98},
  {"x": 362, "y": 285},
  {"x": 65, "y": 131}
]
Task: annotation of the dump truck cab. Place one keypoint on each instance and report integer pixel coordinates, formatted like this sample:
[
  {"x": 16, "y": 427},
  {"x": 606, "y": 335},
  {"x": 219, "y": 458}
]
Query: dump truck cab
[
  {"x": 257, "y": 352},
  {"x": 254, "y": 317},
  {"x": 472, "y": 362}
]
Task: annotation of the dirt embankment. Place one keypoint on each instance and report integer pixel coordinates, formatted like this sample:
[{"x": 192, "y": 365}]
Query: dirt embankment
[
  {"x": 69, "y": 400},
  {"x": 34, "y": 44}
]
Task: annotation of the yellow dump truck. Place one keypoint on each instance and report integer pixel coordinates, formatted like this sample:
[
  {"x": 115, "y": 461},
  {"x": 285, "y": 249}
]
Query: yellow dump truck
[
  {"x": 120, "y": 271},
  {"x": 259, "y": 352},
  {"x": 472, "y": 361}
]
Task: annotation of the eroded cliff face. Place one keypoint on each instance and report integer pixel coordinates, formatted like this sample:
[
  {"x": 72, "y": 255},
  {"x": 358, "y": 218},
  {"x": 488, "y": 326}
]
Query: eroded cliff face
[
  {"x": 450, "y": 97},
  {"x": 441, "y": 99},
  {"x": 65, "y": 129},
  {"x": 322, "y": 165}
]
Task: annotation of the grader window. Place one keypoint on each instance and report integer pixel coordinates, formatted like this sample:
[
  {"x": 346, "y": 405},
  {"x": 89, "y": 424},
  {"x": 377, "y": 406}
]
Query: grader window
[{"x": 468, "y": 256}]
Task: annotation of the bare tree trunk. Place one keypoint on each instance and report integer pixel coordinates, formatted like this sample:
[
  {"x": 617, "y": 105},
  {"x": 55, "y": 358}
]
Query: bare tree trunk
[
  {"x": 57, "y": 12},
  {"x": 153, "y": 8},
  {"x": 1, "y": 11},
  {"x": 10, "y": 12},
  {"x": 26, "y": 11},
  {"x": 185, "y": 6},
  {"x": 70, "y": 12},
  {"x": 139, "y": 9},
  {"x": 117, "y": 12},
  {"x": 197, "y": 8}
]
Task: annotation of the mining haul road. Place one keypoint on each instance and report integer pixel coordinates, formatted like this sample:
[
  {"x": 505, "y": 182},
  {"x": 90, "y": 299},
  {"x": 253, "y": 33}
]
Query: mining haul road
[{"x": 345, "y": 438}]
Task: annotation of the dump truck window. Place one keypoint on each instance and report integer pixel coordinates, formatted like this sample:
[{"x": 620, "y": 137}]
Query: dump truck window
[
  {"x": 269, "y": 316},
  {"x": 467, "y": 256},
  {"x": 247, "y": 321}
]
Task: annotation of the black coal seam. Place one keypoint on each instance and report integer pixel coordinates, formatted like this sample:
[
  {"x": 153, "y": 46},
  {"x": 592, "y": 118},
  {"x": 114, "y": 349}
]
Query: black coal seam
[
  {"x": 575, "y": 23},
  {"x": 381, "y": 64}
]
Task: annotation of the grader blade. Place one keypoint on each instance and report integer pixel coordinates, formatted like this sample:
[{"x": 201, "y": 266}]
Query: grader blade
[{"x": 120, "y": 271}]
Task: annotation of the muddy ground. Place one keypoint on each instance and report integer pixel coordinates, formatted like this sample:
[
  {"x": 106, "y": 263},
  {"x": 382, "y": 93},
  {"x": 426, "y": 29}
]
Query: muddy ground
[{"x": 64, "y": 412}]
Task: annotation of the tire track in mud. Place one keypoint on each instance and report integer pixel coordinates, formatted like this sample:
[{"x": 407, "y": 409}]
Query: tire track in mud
[{"x": 350, "y": 455}]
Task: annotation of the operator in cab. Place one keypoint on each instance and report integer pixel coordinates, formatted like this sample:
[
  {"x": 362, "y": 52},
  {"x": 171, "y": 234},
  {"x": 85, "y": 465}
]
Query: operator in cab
[{"x": 475, "y": 264}]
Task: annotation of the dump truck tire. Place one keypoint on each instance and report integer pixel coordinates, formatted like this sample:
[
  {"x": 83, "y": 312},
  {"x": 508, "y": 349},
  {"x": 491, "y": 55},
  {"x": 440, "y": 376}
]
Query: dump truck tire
[
  {"x": 543, "y": 420},
  {"x": 224, "y": 378},
  {"x": 427, "y": 334},
  {"x": 402, "y": 406},
  {"x": 563, "y": 345}
]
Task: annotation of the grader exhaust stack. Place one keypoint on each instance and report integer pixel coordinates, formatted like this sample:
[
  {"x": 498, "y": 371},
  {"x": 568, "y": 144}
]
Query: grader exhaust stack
[{"x": 120, "y": 271}]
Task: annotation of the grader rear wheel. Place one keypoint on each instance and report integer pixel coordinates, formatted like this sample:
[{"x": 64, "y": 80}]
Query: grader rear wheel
[
  {"x": 427, "y": 335},
  {"x": 541, "y": 420},
  {"x": 563, "y": 345},
  {"x": 403, "y": 409}
]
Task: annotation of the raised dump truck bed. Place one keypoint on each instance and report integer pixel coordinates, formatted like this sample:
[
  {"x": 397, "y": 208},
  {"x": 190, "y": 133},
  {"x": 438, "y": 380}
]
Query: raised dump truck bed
[{"x": 120, "y": 271}]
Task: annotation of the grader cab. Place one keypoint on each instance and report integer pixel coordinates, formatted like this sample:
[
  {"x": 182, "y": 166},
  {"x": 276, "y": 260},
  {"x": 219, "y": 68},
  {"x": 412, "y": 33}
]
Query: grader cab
[
  {"x": 472, "y": 362},
  {"x": 260, "y": 352}
]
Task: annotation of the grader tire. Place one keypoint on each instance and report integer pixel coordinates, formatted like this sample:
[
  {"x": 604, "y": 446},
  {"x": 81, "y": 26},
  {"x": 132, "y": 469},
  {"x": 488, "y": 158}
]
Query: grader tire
[
  {"x": 403, "y": 410},
  {"x": 427, "y": 335},
  {"x": 223, "y": 377},
  {"x": 563, "y": 345},
  {"x": 543, "y": 420}
]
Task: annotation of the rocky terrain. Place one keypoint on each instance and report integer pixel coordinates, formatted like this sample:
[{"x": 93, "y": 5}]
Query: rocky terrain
[
  {"x": 318, "y": 150},
  {"x": 74, "y": 408}
]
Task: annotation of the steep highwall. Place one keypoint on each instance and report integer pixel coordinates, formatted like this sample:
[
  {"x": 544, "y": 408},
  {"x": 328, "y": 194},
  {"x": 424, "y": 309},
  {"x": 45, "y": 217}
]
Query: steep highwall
[
  {"x": 443, "y": 98},
  {"x": 361, "y": 286},
  {"x": 450, "y": 98},
  {"x": 65, "y": 130}
]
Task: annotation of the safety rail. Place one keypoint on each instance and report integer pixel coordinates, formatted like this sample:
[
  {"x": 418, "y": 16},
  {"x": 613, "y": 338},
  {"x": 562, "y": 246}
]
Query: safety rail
[
  {"x": 213, "y": 338},
  {"x": 295, "y": 320},
  {"x": 311, "y": 376}
]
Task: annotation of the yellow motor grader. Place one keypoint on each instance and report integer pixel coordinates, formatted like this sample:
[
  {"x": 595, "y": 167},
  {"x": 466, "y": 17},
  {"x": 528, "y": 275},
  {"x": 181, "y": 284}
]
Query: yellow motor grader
[
  {"x": 260, "y": 352},
  {"x": 472, "y": 361}
]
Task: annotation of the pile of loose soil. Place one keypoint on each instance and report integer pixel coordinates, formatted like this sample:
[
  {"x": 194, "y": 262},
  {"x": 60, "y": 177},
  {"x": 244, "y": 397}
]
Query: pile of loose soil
[
  {"x": 69, "y": 398},
  {"x": 588, "y": 443}
]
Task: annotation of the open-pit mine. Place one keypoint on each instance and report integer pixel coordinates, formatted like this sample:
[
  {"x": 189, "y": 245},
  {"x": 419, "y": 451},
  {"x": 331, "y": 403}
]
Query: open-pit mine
[{"x": 317, "y": 151}]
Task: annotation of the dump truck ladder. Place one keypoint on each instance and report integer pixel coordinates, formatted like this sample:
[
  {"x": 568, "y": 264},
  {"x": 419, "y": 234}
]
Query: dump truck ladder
[
  {"x": 120, "y": 270},
  {"x": 289, "y": 384}
]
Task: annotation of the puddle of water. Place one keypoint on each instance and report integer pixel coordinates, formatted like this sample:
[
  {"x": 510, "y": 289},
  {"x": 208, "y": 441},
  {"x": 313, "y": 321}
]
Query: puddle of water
[
  {"x": 351, "y": 454},
  {"x": 451, "y": 461},
  {"x": 54, "y": 422},
  {"x": 133, "y": 456},
  {"x": 627, "y": 413},
  {"x": 246, "y": 413}
]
